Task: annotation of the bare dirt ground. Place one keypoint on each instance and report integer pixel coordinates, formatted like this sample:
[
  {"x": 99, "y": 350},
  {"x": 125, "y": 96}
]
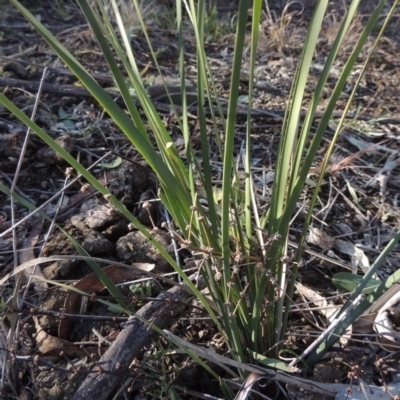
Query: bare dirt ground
[{"x": 52, "y": 339}]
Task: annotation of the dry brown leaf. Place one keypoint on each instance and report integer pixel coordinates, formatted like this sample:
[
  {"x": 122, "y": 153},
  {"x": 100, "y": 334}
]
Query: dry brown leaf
[
  {"x": 320, "y": 238},
  {"x": 329, "y": 311},
  {"x": 358, "y": 257},
  {"x": 364, "y": 324},
  {"x": 47, "y": 343},
  {"x": 91, "y": 284},
  {"x": 53, "y": 346}
]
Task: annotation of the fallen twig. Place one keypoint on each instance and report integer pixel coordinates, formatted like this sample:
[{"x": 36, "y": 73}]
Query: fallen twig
[{"x": 131, "y": 340}]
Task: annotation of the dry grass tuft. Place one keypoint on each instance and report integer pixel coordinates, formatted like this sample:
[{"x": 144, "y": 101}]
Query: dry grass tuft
[
  {"x": 155, "y": 13},
  {"x": 278, "y": 33}
]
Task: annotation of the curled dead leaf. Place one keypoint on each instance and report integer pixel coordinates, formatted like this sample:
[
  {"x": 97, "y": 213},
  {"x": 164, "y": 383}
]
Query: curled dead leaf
[{"x": 320, "y": 238}]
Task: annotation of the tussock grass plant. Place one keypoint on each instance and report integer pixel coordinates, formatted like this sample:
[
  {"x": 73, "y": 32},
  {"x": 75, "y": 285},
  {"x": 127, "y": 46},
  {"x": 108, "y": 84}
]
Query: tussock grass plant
[
  {"x": 277, "y": 30},
  {"x": 242, "y": 254},
  {"x": 153, "y": 14}
]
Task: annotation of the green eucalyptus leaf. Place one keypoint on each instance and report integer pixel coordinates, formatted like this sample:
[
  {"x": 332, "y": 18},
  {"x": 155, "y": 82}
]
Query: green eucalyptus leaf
[
  {"x": 348, "y": 282},
  {"x": 62, "y": 114},
  {"x": 68, "y": 124},
  {"x": 272, "y": 363},
  {"x": 113, "y": 164}
]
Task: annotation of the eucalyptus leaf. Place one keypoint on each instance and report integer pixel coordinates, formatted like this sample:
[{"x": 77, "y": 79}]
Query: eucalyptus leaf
[
  {"x": 272, "y": 363},
  {"x": 348, "y": 282},
  {"x": 113, "y": 164},
  {"x": 62, "y": 114}
]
